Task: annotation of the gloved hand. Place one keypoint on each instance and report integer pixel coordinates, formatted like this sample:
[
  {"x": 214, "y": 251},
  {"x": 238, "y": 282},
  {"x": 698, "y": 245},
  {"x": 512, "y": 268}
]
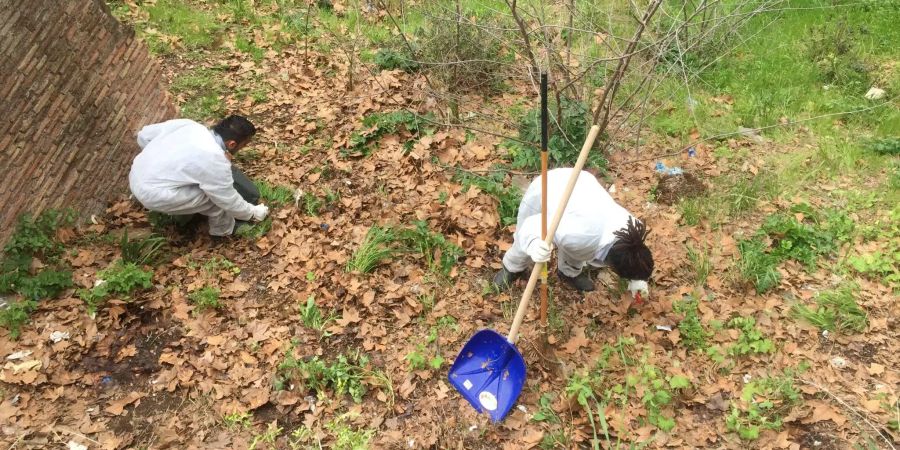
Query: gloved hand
[
  {"x": 260, "y": 212},
  {"x": 539, "y": 251}
]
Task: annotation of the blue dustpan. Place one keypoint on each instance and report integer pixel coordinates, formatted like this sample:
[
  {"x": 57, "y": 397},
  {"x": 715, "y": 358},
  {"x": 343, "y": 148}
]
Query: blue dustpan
[{"x": 489, "y": 372}]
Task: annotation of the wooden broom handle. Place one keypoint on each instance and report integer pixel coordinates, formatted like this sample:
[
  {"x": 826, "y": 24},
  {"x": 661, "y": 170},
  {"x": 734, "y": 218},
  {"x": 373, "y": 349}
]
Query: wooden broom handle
[{"x": 554, "y": 224}]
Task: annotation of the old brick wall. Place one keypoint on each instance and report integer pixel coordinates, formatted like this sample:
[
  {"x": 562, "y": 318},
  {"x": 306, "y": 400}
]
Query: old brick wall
[{"x": 75, "y": 85}]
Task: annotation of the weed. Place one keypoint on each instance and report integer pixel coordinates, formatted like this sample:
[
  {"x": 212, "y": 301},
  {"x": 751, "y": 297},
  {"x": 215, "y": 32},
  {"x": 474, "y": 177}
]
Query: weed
[
  {"x": 700, "y": 263},
  {"x": 311, "y": 204},
  {"x": 492, "y": 183},
  {"x": 691, "y": 211},
  {"x": 440, "y": 255},
  {"x": 344, "y": 376},
  {"x": 750, "y": 340},
  {"x": 205, "y": 298},
  {"x": 347, "y": 438},
  {"x": 763, "y": 404},
  {"x": 217, "y": 264},
  {"x": 377, "y": 246},
  {"x": 120, "y": 278},
  {"x": 274, "y": 195},
  {"x": 238, "y": 420},
  {"x": 836, "y": 310},
  {"x": 269, "y": 436},
  {"x": 885, "y": 146},
  {"x": 757, "y": 266},
  {"x": 312, "y": 317},
  {"x": 301, "y": 436},
  {"x": 693, "y": 335},
  {"x": 567, "y": 134},
  {"x": 833, "y": 51},
  {"x": 389, "y": 59},
  {"x": 146, "y": 251},
  {"x": 545, "y": 411},
  {"x": 160, "y": 221},
  {"x": 379, "y": 124}
]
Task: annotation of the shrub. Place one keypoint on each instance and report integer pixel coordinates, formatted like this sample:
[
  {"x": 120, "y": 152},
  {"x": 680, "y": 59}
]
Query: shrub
[
  {"x": 389, "y": 59},
  {"x": 120, "y": 278},
  {"x": 567, "y": 133}
]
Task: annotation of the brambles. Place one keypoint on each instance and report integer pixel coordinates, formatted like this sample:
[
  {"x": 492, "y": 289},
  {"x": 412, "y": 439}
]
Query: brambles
[{"x": 390, "y": 59}]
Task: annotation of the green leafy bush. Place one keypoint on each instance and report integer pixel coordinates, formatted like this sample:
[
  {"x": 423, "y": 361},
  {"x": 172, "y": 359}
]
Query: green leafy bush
[
  {"x": 508, "y": 197},
  {"x": 344, "y": 376},
  {"x": 390, "y": 59},
  {"x": 566, "y": 137},
  {"x": 763, "y": 404},
  {"x": 205, "y": 298},
  {"x": 377, "y": 125}
]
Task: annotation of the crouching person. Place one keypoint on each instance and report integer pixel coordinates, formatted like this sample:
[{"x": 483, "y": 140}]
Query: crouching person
[
  {"x": 185, "y": 168},
  {"x": 594, "y": 230}
]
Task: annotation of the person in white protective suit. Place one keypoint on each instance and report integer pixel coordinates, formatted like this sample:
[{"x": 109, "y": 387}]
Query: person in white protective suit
[
  {"x": 594, "y": 230},
  {"x": 185, "y": 168}
]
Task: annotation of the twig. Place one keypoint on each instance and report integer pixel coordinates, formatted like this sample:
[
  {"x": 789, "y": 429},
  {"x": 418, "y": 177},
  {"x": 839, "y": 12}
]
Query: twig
[{"x": 852, "y": 409}]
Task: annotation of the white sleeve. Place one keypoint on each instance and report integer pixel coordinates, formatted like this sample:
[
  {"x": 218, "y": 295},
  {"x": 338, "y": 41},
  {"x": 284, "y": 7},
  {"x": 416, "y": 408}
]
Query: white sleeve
[
  {"x": 151, "y": 132},
  {"x": 217, "y": 183},
  {"x": 528, "y": 231}
]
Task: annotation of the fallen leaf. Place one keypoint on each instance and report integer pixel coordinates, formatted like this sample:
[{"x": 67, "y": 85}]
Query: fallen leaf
[
  {"x": 577, "y": 341},
  {"x": 875, "y": 369},
  {"x": 117, "y": 407}
]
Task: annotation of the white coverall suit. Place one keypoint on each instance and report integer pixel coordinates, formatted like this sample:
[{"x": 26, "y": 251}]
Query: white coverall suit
[
  {"x": 585, "y": 232},
  {"x": 182, "y": 169}
]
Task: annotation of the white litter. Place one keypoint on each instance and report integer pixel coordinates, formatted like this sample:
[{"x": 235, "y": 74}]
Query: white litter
[
  {"x": 473, "y": 428},
  {"x": 72, "y": 445},
  {"x": 99, "y": 281},
  {"x": 747, "y": 378},
  {"x": 838, "y": 363},
  {"x": 57, "y": 336},
  {"x": 664, "y": 327},
  {"x": 412, "y": 443},
  {"x": 522, "y": 408},
  {"x": 21, "y": 354},
  {"x": 825, "y": 334},
  {"x": 612, "y": 189},
  {"x": 875, "y": 93}
]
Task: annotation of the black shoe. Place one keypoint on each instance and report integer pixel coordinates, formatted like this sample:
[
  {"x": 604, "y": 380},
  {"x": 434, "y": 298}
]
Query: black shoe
[
  {"x": 582, "y": 282},
  {"x": 504, "y": 278}
]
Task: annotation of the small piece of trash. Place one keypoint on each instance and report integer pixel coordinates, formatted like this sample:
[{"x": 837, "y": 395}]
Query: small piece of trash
[
  {"x": 412, "y": 443},
  {"x": 99, "y": 281},
  {"x": 612, "y": 189},
  {"x": 664, "y": 327},
  {"x": 473, "y": 428},
  {"x": 825, "y": 334},
  {"x": 875, "y": 94},
  {"x": 747, "y": 378},
  {"x": 21, "y": 354},
  {"x": 57, "y": 336},
  {"x": 72, "y": 445},
  {"x": 522, "y": 408},
  {"x": 838, "y": 363}
]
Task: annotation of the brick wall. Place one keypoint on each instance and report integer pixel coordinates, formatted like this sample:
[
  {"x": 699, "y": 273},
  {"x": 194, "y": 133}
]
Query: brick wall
[{"x": 75, "y": 85}]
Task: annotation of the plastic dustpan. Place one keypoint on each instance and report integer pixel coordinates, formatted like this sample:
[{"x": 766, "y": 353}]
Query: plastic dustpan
[{"x": 489, "y": 373}]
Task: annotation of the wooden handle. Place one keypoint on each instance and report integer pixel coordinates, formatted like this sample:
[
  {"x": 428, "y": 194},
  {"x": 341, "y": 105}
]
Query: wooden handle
[
  {"x": 554, "y": 224},
  {"x": 544, "y": 164}
]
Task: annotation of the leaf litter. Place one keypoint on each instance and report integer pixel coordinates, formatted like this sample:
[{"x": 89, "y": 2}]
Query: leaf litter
[{"x": 149, "y": 371}]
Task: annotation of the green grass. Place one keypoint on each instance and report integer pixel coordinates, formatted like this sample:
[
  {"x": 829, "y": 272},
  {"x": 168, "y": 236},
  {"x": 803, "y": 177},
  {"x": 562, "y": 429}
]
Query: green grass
[
  {"x": 205, "y": 298},
  {"x": 764, "y": 403},
  {"x": 508, "y": 197},
  {"x": 194, "y": 27},
  {"x": 274, "y": 195},
  {"x": 311, "y": 316},
  {"x": 750, "y": 339},
  {"x": 440, "y": 254},
  {"x": 202, "y": 89},
  {"x": 119, "y": 279},
  {"x": 376, "y": 125},
  {"x": 377, "y": 246},
  {"x": 144, "y": 251},
  {"x": 693, "y": 335},
  {"x": 700, "y": 263},
  {"x": 835, "y": 310}
]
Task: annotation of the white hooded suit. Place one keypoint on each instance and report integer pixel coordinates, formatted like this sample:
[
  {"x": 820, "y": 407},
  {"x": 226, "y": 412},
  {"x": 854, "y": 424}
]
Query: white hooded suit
[
  {"x": 585, "y": 232},
  {"x": 182, "y": 169}
]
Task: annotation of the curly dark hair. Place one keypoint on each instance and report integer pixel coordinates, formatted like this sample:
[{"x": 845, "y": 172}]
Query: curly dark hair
[
  {"x": 629, "y": 256},
  {"x": 235, "y": 128}
]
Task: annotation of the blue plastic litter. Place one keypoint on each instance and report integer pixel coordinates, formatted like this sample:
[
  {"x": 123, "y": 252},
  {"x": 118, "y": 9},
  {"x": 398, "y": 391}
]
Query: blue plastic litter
[
  {"x": 661, "y": 168},
  {"x": 489, "y": 372},
  {"x": 692, "y": 152},
  {"x": 106, "y": 380},
  {"x": 324, "y": 226}
]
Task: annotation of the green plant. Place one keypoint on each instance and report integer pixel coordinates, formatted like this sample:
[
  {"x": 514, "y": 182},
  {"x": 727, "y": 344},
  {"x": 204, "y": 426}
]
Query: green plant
[
  {"x": 440, "y": 255},
  {"x": 311, "y": 204},
  {"x": 545, "y": 411},
  {"x": 254, "y": 231},
  {"x": 344, "y": 376},
  {"x": 693, "y": 335},
  {"x": 202, "y": 90},
  {"x": 376, "y": 247},
  {"x": 269, "y": 436},
  {"x": 347, "y": 438},
  {"x": 193, "y": 27},
  {"x": 700, "y": 263},
  {"x": 763, "y": 404},
  {"x": 567, "y": 134},
  {"x": 379, "y": 124},
  {"x": 833, "y": 50},
  {"x": 146, "y": 251},
  {"x": 508, "y": 197},
  {"x": 885, "y": 146},
  {"x": 120, "y": 278},
  {"x": 238, "y": 420},
  {"x": 312, "y": 317},
  {"x": 213, "y": 266},
  {"x": 205, "y": 298},
  {"x": 274, "y": 195},
  {"x": 750, "y": 340},
  {"x": 836, "y": 310},
  {"x": 390, "y": 59},
  {"x": 757, "y": 266}
]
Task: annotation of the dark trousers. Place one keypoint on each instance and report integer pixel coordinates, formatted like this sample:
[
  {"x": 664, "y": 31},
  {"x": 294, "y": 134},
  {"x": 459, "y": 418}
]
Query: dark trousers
[{"x": 245, "y": 186}]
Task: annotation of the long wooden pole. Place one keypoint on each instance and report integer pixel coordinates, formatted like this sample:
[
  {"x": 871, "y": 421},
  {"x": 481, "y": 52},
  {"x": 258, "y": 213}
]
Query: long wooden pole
[{"x": 544, "y": 164}]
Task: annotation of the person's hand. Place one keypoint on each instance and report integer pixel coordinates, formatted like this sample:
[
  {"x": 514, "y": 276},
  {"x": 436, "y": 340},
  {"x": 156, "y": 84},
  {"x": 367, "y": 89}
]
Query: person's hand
[
  {"x": 260, "y": 212},
  {"x": 539, "y": 251}
]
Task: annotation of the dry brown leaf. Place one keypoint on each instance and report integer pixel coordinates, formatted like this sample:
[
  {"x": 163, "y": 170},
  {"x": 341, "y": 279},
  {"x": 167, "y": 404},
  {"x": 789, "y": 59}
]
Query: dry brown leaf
[
  {"x": 117, "y": 407},
  {"x": 575, "y": 342}
]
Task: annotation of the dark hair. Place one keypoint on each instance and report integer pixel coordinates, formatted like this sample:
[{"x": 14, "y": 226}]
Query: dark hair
[
  {"x": 235, "y": 128},
  {"x": 629, "y": 256}
]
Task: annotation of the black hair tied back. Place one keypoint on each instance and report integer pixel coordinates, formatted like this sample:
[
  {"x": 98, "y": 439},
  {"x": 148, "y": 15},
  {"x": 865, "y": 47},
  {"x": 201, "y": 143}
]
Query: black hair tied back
[{"x": 629, "y": 256}]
